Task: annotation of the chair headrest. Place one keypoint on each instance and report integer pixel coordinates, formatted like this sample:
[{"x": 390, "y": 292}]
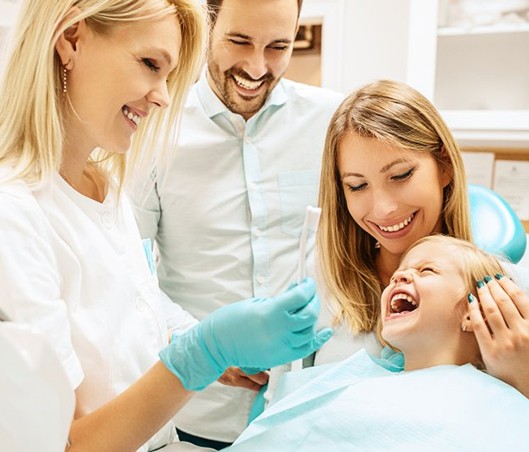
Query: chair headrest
[{"x": 495, "y": 226}]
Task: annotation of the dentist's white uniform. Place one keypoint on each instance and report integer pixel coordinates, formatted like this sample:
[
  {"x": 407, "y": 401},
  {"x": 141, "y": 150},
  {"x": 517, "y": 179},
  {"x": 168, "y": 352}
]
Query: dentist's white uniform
[
  {"x": 37, "y": 401},
  {"x": 75, "y": 270}
]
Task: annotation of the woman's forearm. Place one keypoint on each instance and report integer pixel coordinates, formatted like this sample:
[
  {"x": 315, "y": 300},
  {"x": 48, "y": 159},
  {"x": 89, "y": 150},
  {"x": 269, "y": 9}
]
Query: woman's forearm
[{"x": 132, "y": 418}]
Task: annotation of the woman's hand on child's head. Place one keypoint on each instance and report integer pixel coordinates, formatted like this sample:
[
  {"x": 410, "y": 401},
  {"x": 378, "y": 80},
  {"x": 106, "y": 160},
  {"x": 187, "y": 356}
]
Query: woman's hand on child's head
[{"x": 501, "y": 327}]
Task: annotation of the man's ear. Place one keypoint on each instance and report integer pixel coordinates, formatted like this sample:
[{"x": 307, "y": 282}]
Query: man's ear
[{"x": 67, "y": 44}]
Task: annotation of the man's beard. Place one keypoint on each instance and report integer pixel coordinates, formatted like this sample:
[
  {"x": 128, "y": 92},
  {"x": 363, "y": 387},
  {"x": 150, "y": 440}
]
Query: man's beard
[{"x": 233, "y": 99}]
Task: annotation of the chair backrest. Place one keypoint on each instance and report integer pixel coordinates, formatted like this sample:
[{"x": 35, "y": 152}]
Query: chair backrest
[{"x": 495, "y": 226}]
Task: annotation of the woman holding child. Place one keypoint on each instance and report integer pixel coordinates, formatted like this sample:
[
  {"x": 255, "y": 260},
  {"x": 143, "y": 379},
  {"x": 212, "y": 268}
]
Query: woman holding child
[{"x": 392, "y": 174}]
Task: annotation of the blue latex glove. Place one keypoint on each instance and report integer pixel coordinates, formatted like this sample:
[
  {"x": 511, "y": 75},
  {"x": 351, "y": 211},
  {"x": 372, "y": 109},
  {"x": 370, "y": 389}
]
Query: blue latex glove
[{"x": 259, "y": 333}]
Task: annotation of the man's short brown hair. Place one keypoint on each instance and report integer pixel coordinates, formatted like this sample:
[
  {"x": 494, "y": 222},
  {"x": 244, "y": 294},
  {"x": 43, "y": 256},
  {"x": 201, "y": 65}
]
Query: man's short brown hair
[{"x": 215, "y": 5}]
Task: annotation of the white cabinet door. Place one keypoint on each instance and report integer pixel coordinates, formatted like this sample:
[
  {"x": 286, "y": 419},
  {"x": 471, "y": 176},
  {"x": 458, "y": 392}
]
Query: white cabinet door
[
  {"x": 362, "y": 40},
  {"x": 476, "y": 74}
]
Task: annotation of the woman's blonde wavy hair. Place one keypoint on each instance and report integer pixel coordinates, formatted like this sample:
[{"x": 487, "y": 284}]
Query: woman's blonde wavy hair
[
  {"x": 399, "y": 116},
  {"x": 31, "y": 110}
]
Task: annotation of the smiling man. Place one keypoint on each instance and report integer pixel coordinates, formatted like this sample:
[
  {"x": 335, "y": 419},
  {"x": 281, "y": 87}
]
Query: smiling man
[
  {"x": 245, "y": 64},
  {"x": 227, "y": 205}
]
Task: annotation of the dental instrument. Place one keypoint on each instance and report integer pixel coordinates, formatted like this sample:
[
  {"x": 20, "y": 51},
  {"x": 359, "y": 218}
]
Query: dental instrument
[{"x": 306, "y": 246}]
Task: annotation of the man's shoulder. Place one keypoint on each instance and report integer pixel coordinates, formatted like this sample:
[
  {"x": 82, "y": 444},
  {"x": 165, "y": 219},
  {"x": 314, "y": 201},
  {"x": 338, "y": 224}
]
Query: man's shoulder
[
  {"x": 313, "y": 94},
  {"x": 192, "y": 97}
]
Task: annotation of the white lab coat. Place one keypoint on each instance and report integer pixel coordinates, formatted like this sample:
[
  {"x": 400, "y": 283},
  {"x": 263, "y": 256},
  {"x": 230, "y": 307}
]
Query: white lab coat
[{"x": 75, "y": 270}]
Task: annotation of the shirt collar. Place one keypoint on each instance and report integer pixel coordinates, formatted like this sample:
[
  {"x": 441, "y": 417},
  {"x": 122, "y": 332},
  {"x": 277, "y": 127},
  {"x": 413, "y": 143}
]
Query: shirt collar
[{"x": 213, "y": 105}]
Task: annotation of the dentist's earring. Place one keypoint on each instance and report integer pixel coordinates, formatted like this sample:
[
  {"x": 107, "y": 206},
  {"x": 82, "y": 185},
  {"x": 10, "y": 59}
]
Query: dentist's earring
[{"x": 65, "y": 77}]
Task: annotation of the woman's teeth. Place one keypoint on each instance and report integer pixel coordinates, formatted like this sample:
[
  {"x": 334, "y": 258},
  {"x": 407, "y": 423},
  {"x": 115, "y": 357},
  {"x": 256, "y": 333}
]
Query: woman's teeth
[
  {"x": 399, "y": 226},
  {"x": 132, "y": 116},
  {"x": 247, "y": 84}
]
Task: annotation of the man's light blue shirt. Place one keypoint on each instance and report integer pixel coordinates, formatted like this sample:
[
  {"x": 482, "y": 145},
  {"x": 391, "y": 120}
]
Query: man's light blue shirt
[
  {"x": 230, "y": 200},
  {"x": 227, "y": 211}
]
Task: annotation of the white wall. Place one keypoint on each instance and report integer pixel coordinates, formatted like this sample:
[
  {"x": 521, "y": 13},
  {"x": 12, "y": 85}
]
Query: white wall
[
  {"x": 8, "y": 10},
  {"x": 376, "y": 41},
  {"x": 362, "y": 40},
  {"x": 8, "y": 13}
]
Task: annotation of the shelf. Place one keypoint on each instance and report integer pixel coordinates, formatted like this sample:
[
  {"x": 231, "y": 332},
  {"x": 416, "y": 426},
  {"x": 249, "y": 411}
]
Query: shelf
[
  {"x": 511, "y": 121},
  {"x": 507, "y": 129},
  {"x": 483, "y": 30}
]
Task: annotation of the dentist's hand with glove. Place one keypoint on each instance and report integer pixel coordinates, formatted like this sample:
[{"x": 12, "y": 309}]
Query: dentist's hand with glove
[
  {"x": 252, "y": 334},
  {"x": 255, "y": 334}
]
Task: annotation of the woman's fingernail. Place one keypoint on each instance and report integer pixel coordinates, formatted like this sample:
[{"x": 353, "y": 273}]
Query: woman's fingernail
[
  {"x": 487, "y": 279},
  {"x": 480, "y": 283},
  {"x": 498, "y": 276},
  {"x": 471, "y": 297}
]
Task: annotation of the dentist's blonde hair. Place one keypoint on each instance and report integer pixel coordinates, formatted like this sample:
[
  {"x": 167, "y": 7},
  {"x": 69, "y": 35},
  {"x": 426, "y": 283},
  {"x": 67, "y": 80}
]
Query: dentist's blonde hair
[
  {"x": 399, "y": 116},
  {"x": 31, "y": 108}
]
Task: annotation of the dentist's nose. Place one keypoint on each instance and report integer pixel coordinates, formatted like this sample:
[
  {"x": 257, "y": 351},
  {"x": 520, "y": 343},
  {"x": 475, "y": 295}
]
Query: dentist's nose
[{"x": 159, "y": 96}]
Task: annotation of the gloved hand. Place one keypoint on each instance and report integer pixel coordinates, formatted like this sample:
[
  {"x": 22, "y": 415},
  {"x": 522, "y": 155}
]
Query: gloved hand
[{"x": 258, "y": 333}]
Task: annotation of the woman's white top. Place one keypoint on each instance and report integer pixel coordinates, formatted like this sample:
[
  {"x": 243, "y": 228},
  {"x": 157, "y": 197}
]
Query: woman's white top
[{"x": 76, "y": 270}]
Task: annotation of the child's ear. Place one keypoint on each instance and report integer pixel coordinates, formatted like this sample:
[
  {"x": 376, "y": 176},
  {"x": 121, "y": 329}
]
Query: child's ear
[{"x": 466, "y": 324}]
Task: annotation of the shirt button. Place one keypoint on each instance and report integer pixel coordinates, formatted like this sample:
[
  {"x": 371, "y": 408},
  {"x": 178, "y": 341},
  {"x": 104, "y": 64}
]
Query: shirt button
[
  {"x": 247, "y": 140},
  {"x": 140, "y": 306},
  {"x": 258, "y": 232},
  {"x": 107, "y": 220},
  {"x": 253, "y": 186},
  {"x": 260, "y": 279}
]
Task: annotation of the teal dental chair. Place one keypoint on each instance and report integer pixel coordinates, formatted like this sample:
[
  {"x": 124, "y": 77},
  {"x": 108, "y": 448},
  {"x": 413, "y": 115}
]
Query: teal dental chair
[{"x": 495, "y": 226}]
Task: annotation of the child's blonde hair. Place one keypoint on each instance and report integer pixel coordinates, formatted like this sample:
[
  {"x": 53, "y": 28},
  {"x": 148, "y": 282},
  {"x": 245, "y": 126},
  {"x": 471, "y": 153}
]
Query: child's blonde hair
[{"x": 476, "y": 263}]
